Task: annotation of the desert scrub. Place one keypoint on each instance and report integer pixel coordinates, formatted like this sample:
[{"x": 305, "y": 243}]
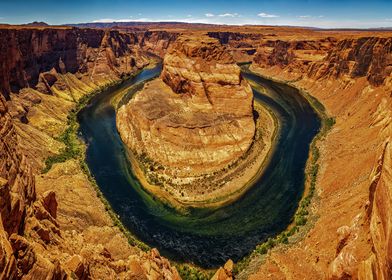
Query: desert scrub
[
  {"x": 188, "y": 272},
  {"x": 73, "y": 146},
  {"x": 76, "y": 149}
]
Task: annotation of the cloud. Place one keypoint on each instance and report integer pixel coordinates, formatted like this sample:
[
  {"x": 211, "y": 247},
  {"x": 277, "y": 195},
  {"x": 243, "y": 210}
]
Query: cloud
[
  {"x": 209, "y": 15},
  {"x": 108, "y": 20},
  {"x": 229, "y": 15},
  {"x": 265, "y": 15},
  {"x": 309, "y": 16}
]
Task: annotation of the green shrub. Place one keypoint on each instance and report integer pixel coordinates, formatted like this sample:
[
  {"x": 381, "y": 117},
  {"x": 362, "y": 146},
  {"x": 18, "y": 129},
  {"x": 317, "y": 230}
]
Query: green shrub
[{"x": 188, "y": 272}]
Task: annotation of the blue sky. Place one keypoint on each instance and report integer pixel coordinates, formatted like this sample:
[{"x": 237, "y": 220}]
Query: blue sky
[{"x": 318, "y": 13}]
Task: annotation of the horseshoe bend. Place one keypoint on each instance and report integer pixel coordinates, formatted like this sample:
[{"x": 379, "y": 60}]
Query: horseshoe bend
[
  {"x": 182, "y": 150},
  {"x": 193, "y": 129}
]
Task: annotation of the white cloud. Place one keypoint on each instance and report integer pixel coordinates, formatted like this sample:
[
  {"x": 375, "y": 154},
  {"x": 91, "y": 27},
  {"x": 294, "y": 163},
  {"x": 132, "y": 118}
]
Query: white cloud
[
  {"x": 209, "y": 15},
  {"x": 306, "y": 16},
  {"x": 265, "y": 15},
  {"x": 229, "y": 15}
]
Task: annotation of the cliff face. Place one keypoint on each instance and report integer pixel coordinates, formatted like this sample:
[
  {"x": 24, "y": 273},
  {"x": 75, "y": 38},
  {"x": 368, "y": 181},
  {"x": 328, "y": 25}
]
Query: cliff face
[
  {"x": 352, "y": 78},
  {"x": 369, "y": 57},
  {"x": 241, "y": 45},
  {"x": 202, "y": 93},
  {"x": 156, "y": 42},
  {"x": 46, "y": 230},
  {"x": 17, "y": 190},
  {"x": 330, "y": 58},
  {"x": 199, "y": 97},
  {"x": 28, "y": 53}
]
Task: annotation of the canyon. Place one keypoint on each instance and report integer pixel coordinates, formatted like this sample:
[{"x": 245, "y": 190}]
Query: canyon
[
  {"x": 54, "y": 224},
  {"x": 201, "y": 97}
]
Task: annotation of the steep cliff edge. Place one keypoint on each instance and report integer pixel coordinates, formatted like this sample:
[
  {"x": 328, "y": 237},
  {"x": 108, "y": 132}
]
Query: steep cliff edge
[
  {"x": 92, "y": 54},
  {"x": 200, "y": 97},
  {"x": 53, "y": 225},
  {"x": 352, "y": 78}
]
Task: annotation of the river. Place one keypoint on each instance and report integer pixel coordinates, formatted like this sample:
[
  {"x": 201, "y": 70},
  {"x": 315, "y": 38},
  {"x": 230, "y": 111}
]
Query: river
[{"x": 205, "y": 237}]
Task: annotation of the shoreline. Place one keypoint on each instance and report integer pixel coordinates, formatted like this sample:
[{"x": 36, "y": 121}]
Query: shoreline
[
  {"x": 125, "y": 231},
  {"x": 212, "y": 200},
  {"x": 298, "y": 227}
]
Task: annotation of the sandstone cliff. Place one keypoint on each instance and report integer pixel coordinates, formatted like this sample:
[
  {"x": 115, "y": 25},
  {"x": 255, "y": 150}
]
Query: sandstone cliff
[
  {"x": 352, "y": 78},
  {"x": 53, "y": 225},
  {"x": 200, "y": 97}
]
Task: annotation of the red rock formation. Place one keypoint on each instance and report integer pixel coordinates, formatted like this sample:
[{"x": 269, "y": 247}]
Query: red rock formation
[
  {"x": 330, "y": 58},
  {"x": 17, "y": 182},
  {"x": 201, "y": 97},
  {"x": 369, "y": 57},
  {"x": 26, "y": 54},
  {"x": 352, "y": 77},
  {"x": 17, "y": 193},
  {"x": 66, "y": 63}
]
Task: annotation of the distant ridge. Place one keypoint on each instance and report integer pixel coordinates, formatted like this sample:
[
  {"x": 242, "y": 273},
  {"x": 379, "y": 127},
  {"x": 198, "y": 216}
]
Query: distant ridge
[{"x": 36, "y": 23}]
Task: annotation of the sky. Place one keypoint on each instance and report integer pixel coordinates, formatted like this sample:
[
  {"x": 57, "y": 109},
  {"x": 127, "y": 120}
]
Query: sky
[{"x": 315, "y": 13}]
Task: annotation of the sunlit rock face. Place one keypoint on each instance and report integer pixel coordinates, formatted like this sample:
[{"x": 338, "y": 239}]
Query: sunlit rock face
[
  {"x": 43, "y": 72},
  {"x": 197, "y": 117}
]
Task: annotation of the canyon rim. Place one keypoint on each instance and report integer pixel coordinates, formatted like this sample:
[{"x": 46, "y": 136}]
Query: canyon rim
[{"x": 207, "y": 148}]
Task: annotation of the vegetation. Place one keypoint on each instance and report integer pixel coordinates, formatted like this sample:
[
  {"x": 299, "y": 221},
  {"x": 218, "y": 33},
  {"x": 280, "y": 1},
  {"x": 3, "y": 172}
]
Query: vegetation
[
  {"x": 75, "y": 149},
  {"x": 188, "y": 272},
  {"x": 302, "y": 213}
]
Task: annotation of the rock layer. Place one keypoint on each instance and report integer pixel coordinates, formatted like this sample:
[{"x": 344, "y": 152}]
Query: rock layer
[
  {"x": 200, "y": 97},
  {"x": 352, "y": 78},
  {"x": 47, "y": 227}
]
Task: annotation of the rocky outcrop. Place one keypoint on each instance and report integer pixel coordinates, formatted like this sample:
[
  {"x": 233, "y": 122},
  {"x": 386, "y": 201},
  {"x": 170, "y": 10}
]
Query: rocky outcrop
[
  {"x": 45, "y": 233},
  {"x": 156, "y": 42},
  {"x": 330, "y": 58},
  {"x": 200, "y": 97},
  {"x": 369, "y": 57},
  {"x": 225, "y": 272},
  {"x": 352, "y": 78},
  {"x": 379, "y": 263},
  {"x": 18, "y": 205},
  {"x": 242, "y": 45},
  {"x": 293, "y": 56},
  {"x": 33, "y": 57},
  {"x": 16, "y": 180}
]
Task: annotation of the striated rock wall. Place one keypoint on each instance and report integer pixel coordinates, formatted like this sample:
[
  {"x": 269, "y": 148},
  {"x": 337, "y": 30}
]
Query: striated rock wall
[
  {"x": 200, "y": 97},
  {"x": 26, "y": 54},
  {"x": 53, "y": 226},
  {"x": 242, "y": 45},
  {"x": 352, "y": 78},
  {"x": 157, "y": 42},
  {"x": 330, "y": 58}
]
